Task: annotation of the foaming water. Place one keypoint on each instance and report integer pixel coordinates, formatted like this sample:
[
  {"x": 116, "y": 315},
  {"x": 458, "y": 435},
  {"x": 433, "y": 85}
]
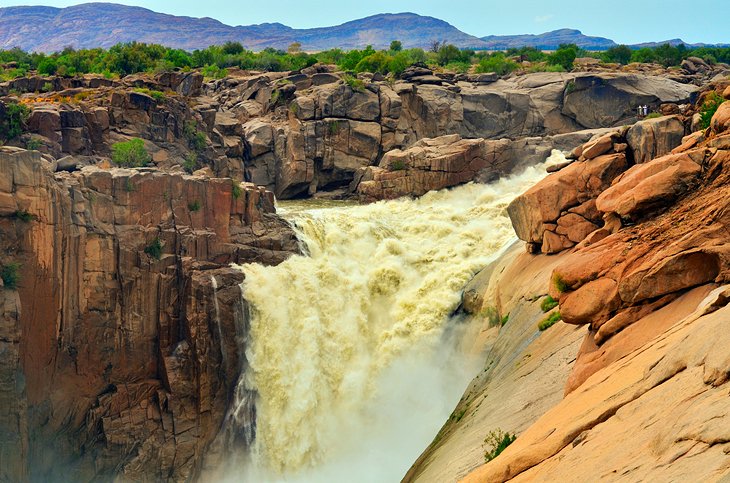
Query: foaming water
[{"x": 350, "y": 354}]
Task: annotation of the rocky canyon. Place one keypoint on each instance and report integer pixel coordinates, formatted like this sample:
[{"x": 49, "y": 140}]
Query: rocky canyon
[{"x": 231, "y": 307}]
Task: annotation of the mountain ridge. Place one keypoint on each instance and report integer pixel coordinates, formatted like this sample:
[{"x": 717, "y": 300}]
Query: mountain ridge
[{"x": 100, "y": 24}]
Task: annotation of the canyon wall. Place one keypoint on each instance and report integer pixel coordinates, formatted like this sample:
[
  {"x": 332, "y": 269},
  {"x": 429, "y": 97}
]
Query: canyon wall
[
  {"x": 121, "y": 338},
  {"x": 641, "y": 392},
  {"x": 319, "y": 131}
]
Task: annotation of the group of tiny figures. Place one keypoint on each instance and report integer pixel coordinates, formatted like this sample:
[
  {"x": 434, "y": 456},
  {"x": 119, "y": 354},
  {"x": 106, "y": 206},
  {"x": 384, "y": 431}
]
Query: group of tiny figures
[{"x": 642, "y": 111}]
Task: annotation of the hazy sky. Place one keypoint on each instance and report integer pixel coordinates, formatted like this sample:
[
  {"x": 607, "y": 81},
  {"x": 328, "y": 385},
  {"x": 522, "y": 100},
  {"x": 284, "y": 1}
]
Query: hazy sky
[{"x": 625, "y": 21}]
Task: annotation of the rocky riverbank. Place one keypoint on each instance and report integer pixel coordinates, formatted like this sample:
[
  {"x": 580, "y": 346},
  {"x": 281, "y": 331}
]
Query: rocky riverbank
[
  {"x": 122, "y": 327},
  {"x": 644, "y": 394}
]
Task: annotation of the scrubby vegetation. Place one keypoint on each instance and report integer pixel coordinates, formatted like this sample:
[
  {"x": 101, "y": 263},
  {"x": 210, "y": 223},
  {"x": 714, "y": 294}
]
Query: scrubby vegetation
[
  {"x": 154, "y": 249},
  {"x": 158, "y": 96},
  {"x": 12, "y": 118},
  {"x": 709, "y": 107},
  {"x": 549, "y": 321},
  {"x": 130, "y": 58},
  {"x": 548, "y": 304},
  {"x": 130, "y": 154},
  {"x": 560, "y": 284},
  {"x": 194, "y": 206},
  {"x": 496, "y": 442},
  {"x": 10, "y": 275},
  {"x": 24, "y": 215}
]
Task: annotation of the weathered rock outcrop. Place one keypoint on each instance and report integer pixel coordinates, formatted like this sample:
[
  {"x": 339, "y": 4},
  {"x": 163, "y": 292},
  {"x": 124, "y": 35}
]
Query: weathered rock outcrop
[
  {"x": 118, "y": 350},
  {"x": 646, "y": 395},
  {"x": 347, "y": 128},
  {"x": 568, "y": 205},
  {"x": 659, "y": 412}
]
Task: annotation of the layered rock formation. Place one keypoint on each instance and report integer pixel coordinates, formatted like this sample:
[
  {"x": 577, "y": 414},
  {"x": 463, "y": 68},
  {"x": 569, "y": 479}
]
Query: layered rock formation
[
  {"x": 301, "y": 133},
  {"x": 120, "y": 344}
]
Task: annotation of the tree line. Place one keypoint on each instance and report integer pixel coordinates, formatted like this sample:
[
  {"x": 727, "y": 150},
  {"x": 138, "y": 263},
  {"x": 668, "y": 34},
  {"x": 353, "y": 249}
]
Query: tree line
[{"x": 135, "y": 57}]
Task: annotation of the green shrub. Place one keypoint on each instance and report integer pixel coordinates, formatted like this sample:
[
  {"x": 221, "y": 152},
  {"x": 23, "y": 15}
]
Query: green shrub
[
  {"x": 190, "y": 163},
  {"x": 708, "y": 109},
  {"x": 158, "y": 96},
  {"x": 333, "y": 127},
  {"x": 505, "y": 319},
  {"x": 496, "y": 442},
  {"x": 130, "y": 154},
  {"x": 154, "y": 249},
  {"x": 194, "y": 206},
  {"x": 564, "y": 56},
  {"x": 196, "y": 139},
  {"x": 128, "y": 186},
  {"x": 12, "y": 119},
  {"x": 549, "y": 321},
  {"x": 397, "y": 165},
  {"x": 560, "y": 284},
  {"x": 496, "y": 63},
  {"x": 653, "y": 115},
  {"x": 32, "y": 144},
  {"x": 10, "y": 275},
  {"x": 23, "y": 215},
  {"x": 621, "y": 54},
  {"x": 548, "y": 304},
  {"x": 354, "y": 83},
  {"x": 236, "y": 189},
  {"x": 213, "y": 72}
]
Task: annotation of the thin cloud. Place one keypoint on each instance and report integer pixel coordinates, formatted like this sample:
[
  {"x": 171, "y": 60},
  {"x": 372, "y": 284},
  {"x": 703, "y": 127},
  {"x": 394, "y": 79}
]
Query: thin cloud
[{"x": 544, "y": 18}]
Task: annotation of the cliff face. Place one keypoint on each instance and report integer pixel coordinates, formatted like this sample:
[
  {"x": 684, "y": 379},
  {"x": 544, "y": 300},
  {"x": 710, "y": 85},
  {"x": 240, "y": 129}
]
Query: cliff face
[
  {"x": 120, "y": 343},
  {"x": 647, "y": 288},
  {"x": 302, "y": 133}
]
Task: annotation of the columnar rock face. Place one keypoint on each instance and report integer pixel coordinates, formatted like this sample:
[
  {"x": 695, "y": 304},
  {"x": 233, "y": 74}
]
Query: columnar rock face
[{"x": 119, "y": 345}]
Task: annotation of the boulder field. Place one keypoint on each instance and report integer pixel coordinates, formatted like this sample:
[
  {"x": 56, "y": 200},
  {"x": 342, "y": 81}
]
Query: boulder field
[{"x": 631, "y": 382}]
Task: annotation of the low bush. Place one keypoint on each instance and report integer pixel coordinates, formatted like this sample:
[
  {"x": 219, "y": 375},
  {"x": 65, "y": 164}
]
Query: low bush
[
  {"x": 158, "y": 96},
  {"x": 505, "y": 319},
  {"x": 354, "y": 83},
  {"x": 236, "y": 189},
  {"x": 560, "y": 284},
  {"x": 23, "y": 215},
  {"x": 194, "y": 206},
  {"x": 10, "y": 275},
  {"x": 397, "y": 165},
  {"x": 496, "y": 442},
  {"x": 130, "y": 154},
  {"x": 154, "y": 249},
  {"x": 497, "y": 63},
  {"x": 709, "y": 107},
  {"x": 548, "y": 304},
  {"x": 13, "y": 117},
  {"x": 190, "y": 163},
  {"x": 549, "y": 321}
]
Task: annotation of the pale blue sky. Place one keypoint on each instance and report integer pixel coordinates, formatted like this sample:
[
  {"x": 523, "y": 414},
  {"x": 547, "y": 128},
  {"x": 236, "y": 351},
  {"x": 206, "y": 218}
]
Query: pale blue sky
[{"x": 625, "y": 21}]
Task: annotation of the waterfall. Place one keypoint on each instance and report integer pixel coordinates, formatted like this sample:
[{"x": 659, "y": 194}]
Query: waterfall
[{"x": 348, "y": 354}]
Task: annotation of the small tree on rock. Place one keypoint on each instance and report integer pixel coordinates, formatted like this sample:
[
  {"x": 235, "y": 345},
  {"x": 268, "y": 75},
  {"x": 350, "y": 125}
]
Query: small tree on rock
[{"x": 130, "y": 154}]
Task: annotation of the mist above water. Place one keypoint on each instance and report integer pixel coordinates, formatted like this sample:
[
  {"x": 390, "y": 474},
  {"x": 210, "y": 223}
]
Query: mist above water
[{"x": 353, "y": 351}]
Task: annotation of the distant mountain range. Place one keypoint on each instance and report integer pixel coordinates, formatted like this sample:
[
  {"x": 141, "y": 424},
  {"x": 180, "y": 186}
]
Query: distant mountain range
[{"x": 89, "y": 25}]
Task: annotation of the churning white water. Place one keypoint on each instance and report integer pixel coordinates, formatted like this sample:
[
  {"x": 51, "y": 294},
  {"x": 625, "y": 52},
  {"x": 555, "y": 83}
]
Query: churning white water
[{"x": 349, "y": 352}]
